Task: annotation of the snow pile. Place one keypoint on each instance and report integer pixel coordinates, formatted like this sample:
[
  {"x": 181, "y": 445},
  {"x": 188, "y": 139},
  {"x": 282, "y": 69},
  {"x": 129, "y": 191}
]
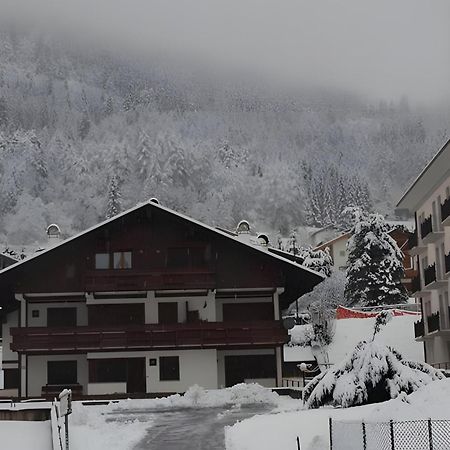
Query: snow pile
[
  {"x": 270, "y": 431},
  {"x": 372, "y": 373},
  {"x": 399, "y": 334},
  {"x": 25, "y": 435},
  {"x": 197, "y": 397},
  {"x": 91, "y": 428},
  {"x": 301, "y": 335}
]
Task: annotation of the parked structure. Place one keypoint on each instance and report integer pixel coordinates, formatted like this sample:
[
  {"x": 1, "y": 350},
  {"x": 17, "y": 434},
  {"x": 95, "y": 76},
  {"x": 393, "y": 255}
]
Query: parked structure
[
  {"x": 429, "y": 199},
  {"x": 150, "y": 301}
]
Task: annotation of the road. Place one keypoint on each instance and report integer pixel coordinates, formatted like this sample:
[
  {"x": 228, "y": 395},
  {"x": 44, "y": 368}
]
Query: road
[{"x": 190, "y": 428}]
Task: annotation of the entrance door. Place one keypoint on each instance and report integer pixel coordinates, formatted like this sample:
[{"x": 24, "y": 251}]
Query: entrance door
[
  {"x": 168, "y": 312},
  {"x": 136, "y": 376}
]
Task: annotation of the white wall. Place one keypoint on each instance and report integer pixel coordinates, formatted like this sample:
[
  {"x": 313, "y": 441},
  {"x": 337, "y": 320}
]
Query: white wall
[
  {"x": 106, "y": 388},
  {"x": 37, "y": 371}
]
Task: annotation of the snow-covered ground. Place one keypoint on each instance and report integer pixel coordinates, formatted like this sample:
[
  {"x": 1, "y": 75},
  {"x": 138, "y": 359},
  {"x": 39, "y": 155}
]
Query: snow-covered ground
[
  {"x": 398, "y": 333},
  {"x": 270, "y": 431}
]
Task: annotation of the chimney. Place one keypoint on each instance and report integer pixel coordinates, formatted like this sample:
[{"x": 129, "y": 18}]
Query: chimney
[
  {"x": 243, "y": 227},
  {"x": 54, "y": 233}
]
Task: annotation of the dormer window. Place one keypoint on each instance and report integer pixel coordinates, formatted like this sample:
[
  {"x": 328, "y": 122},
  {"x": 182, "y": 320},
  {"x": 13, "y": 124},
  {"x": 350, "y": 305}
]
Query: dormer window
[{"x": 122, "y": 260}]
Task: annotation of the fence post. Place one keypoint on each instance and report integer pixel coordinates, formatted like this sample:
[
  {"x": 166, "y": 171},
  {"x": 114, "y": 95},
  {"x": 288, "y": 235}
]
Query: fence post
[
  {"x": 391, "y": 428},
  {"x": 430, "y": 434},
  {"x": 330, "y": 427},
  {"x": 298, "y": 443},
  {"x": 364, "y": 435}
]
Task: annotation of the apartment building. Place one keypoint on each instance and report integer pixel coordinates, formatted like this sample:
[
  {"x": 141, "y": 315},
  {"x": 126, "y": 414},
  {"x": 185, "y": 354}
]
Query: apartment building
[
  {"x": 150, "y": 301},
  {"x": 429, "y": 199}
]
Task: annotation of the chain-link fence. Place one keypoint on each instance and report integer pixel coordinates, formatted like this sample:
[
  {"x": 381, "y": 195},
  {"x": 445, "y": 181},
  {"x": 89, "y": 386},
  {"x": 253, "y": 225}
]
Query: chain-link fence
[{"x": 393, "y": 435}]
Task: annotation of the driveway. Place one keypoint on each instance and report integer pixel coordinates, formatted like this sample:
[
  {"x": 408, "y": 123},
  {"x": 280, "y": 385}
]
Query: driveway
[{"x": 189, "y": 428}]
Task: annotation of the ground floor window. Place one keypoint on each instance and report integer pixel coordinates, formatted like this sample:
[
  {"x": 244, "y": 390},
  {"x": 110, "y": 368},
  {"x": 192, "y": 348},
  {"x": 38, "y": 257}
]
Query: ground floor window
[
  {"x": 107, "y": 370},
  {"x": 10, "y": 378},
  {"x": 239, "y": 368},
  {"x": 169, "y": 368},
  {"x": 62, "y": 372}
]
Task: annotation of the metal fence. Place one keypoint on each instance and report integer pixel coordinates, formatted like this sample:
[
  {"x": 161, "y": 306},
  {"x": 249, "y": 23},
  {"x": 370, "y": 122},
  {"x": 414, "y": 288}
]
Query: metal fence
[{"x": 393, "y": 435}]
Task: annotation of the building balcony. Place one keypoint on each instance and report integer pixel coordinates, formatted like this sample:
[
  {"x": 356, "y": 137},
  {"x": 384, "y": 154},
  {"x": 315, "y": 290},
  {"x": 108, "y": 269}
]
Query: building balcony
[
  {"x": 220, "y": 335},
  {"x": 428, "y": 234},
  {"x": 447, "y": 265},
  {"x": 431, "y": 279},
  {"x": 413, "y": 245},
  {"x": 130, "y": 280},
  {"x": 433, "y": 322},
  {"x": 445, "y": 212},
  {"x": 419, "y": 328}
]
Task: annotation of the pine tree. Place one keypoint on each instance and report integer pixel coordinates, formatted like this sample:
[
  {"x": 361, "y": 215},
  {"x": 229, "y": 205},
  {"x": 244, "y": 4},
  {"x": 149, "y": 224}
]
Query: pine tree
[
  {"x": 318, "y": 260},
  {"x": 375, "y": 264},
  {"x": 114, "y": 205}
]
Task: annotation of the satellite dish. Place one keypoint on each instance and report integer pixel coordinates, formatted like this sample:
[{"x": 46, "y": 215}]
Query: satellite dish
[{"x": 289, "y": 323}]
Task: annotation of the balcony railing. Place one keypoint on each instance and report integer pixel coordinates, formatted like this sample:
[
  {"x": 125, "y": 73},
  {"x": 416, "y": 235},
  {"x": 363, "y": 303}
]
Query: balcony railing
[
  {"x": 426, "y": 227},
  {"x": 117, "y": 280},
  {"x": 419, "y": 328},
  {"x": 433, "y": 322},
  {"x": 199, "y": 335},
  {"x": 447, "y": 262},
  {"x": 412, "y": 240},
  {"x": 415, "y": 284},
  {"x": 445, "y": 209},
  {"x": 429, "y": 274},
  {"x": 441, "y": 365}
]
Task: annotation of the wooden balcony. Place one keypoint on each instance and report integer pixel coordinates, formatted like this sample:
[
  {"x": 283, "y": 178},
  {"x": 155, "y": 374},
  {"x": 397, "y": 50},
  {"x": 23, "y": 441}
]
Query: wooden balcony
[
  {"x": 429, "y": 274},
  {"x": 129, "y": 280},
  {"x": 433, "y": 322},
  {"x": 415, "y": 285},
  {"x": 218, "y": 335},
  {"x": 426, "y": 227},
  {"x": 428, "y": 233},
  {"x": 447, "y": 264},
  {"x": 413, "y": 245}
]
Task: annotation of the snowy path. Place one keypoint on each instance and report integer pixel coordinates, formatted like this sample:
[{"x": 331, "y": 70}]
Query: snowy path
[{"x": 189, "y": 428}]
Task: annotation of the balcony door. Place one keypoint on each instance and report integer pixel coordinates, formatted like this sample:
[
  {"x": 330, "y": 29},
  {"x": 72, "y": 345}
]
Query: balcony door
[
  {"x": 167, "y": 312},
  {"x": 125, "y": 314},
  {"x": 247, "y": 312}
]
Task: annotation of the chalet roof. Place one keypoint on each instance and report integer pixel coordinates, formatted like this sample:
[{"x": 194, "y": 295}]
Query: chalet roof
[
  {"x": 151, "y": 204},
  {"x": 431, "y": 176}
]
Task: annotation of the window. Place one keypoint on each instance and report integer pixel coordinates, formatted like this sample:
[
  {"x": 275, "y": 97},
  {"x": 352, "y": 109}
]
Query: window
[
  {"x": 10, "y": 378},
  {"x": 122, "y": 260},
  {"x": 107, "y": 370},
  {"x": 62, "y": 372},
  {"x": 62, "y": 317},
  {"x": 35, "y": 313},
  {"x": 169, "y": 368},
  {"x": 102, "y": 260}
]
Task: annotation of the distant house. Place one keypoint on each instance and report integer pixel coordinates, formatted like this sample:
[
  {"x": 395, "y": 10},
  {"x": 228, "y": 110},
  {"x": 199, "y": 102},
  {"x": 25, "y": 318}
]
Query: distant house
[
  {"x": 428, "y": 198},
  {"x": 150, "y": 301},
  {"x": 399, "y": 232}
]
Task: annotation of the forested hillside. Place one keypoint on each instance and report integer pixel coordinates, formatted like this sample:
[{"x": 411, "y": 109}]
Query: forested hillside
[{"x": 84, "y": 134}]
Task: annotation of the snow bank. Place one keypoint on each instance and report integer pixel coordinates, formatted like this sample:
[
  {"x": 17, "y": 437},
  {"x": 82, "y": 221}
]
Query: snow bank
[
  {"x": 270, "y": 431},
  {"x": 398, "y": 333},
  {"x": 196, "y": 396},
  {"x": 25, "y": 435},
  {"x": 91, "y": 428}
]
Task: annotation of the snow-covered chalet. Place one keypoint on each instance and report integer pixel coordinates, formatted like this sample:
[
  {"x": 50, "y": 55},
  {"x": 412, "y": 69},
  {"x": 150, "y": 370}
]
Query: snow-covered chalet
[
  {"x": 150, "y": 301},
  {"x": 429, "y": 199}
]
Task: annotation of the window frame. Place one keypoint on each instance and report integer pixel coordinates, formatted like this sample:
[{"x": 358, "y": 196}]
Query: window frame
[
  {"x": 164, "y": 376},
  {"x": 96, "y": 265},
  {"x": 74, "y": 364},
  {"x": 122, "y": 253}
]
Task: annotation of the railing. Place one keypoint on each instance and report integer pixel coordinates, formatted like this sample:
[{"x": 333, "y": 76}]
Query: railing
[
  {"x": 445, "y": 209},
  {"x": 447, "y": 262},
  {"x": 419, "y": 328},
  {"x": 198, "y": 335},
  {"x": 433, "y": 322},
  {"x": 415, "y": 284},
  {"x": 116, "y": 280},
  {"x": 413, "y": 240},
  {"x": 291, "y": 382},
  {"x": 426, "y": 227},
  {"x": 441, "y": 365},
  {"x": 429, "y": 274}
]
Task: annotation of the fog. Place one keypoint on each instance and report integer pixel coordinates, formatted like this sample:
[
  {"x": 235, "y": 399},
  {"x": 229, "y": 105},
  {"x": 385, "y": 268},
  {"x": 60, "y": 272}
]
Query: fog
[{"x": 380, "y": 48}]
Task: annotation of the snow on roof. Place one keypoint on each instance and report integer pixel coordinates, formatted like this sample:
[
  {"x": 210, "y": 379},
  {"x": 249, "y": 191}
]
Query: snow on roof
[
  {"x": 398, "y": 333},
  {"x": 249, "y": 244}
]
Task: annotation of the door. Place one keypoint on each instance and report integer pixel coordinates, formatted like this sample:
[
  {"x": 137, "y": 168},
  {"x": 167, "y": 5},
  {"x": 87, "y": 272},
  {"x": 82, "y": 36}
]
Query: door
[
  {"x": 125, "y": 314},
  {"x": 168, "y": 312},
  {"x": 136, "y": 376}
]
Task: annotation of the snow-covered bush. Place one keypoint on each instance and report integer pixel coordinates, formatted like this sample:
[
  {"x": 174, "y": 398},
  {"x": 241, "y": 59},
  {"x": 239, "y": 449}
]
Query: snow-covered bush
[
  {"x": 302, "y": 335},
  {"x": 375, "y": 264},
  {"x": 372, "y": 373}
]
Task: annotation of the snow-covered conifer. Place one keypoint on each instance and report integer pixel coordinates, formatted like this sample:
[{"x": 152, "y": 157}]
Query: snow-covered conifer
[
  {"x": 114, "y": 205},
  {"x": 375, "y": 264}
]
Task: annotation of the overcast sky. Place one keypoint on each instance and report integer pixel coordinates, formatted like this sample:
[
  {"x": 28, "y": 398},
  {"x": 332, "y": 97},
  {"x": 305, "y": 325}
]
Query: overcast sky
[{"x": 382, "y": 48}]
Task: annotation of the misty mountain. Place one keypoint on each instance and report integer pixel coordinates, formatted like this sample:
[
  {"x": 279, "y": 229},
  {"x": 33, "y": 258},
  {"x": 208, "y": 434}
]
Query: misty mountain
[{"x": 85, "y": 133}]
